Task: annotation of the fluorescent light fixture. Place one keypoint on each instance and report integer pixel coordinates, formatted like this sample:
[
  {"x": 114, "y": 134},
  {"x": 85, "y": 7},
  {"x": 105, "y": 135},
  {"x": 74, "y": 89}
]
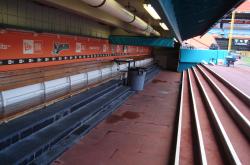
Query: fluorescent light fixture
[
  {"x": 164, "y": 26},
  {"x": 151, "y": 11}
]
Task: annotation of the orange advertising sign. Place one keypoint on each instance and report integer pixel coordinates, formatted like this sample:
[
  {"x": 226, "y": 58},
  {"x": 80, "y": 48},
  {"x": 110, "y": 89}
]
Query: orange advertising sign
[{"x": 29, "y": 49}]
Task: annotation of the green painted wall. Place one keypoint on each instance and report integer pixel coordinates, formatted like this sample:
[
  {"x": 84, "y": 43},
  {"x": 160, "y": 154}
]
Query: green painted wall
[
  {"x": 26, "y": 14},
  {"x": 141, "y": 41}
]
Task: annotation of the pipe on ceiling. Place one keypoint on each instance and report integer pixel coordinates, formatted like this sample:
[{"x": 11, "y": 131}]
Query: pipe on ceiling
[{"x": 115, "y": 9}]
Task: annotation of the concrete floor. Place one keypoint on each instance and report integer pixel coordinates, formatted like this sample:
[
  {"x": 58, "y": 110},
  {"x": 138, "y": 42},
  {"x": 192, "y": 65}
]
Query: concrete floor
[
  {"x": 139, "y": 132},
  {"x": 238, "y": 75}
]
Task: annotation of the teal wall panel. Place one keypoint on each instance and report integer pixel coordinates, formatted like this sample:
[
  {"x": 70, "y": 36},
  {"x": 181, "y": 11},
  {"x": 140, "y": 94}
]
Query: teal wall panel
[
  {"x": 189, "y": 58},
  {"x": 197, "y": 56},
  {"x": 142, "y": 41}
]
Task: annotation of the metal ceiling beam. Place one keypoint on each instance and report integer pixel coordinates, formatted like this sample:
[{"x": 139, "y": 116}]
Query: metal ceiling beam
[{"x": 167, "y": 15}]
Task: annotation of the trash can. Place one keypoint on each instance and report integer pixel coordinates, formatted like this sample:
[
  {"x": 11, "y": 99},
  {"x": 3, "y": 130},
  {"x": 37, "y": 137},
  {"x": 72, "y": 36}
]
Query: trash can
[{"x": 136, "y": 78}]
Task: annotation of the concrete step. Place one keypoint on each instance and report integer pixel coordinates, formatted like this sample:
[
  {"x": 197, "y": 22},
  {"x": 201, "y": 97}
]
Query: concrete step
[
  {"x": 17, "y": 129},
  {"x": 33, "y": 146},
  {"x": 207, "y": 129}
]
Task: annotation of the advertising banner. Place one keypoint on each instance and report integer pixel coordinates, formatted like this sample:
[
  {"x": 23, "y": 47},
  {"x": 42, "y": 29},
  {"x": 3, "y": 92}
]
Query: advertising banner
[{"x": 22, "y": 49}]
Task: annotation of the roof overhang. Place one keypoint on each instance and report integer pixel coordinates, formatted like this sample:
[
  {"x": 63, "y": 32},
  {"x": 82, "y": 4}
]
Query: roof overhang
[{"x": 191, "y": 18}]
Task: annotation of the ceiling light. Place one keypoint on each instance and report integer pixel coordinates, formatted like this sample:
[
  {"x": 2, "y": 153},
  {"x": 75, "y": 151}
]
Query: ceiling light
[
  {"x": 164, "y": 26},
  {"x": 151, "y": 11}
]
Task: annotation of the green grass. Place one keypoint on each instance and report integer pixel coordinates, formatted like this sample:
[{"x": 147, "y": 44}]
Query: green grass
[{"x": 246, "y": 60}]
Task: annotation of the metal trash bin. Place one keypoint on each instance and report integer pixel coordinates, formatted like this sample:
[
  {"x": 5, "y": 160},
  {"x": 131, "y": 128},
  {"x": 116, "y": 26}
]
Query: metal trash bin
[{"x": 136, "y": 78}]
